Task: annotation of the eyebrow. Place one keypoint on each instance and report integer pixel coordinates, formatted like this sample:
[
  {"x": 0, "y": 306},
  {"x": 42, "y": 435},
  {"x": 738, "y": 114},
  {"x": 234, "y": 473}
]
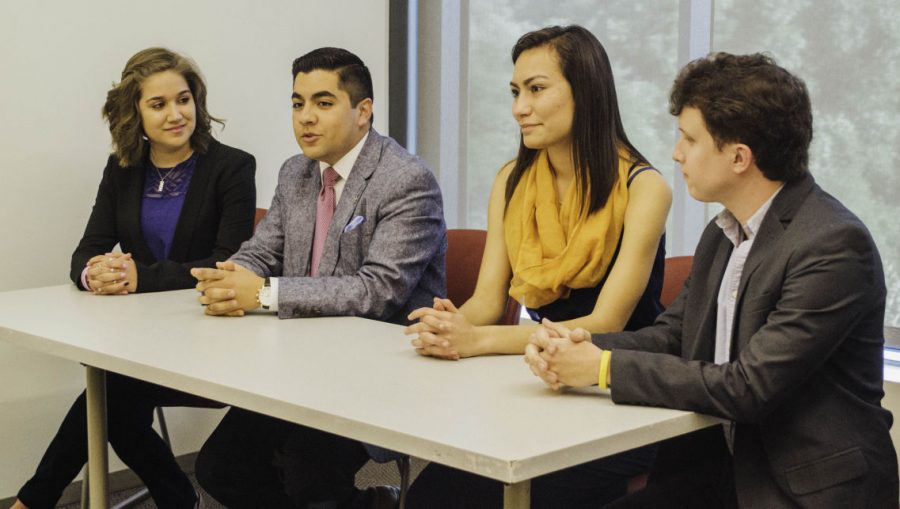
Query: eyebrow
[
  {"x": 161, "y": 98},
  {"x": 317, "y": 95},
  {"x": 529, "y": 80},
  {"x": 685, "y": 133}
]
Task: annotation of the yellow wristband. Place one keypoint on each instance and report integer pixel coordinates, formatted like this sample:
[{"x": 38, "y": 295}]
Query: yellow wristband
[{"x": 605, "y": 357}]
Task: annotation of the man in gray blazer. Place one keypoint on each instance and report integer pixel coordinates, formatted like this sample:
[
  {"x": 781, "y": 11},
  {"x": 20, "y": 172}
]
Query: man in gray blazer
[
  {"x": 779, "y": 328},
  {"x": 356, "y": 228}
]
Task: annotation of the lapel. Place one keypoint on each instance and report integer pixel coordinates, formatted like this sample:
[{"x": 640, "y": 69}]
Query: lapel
[
  {"x": 771, "y": 233},
  {"x": 193, "y": 204},
  {"x": 132, "y": 179},
  {"x": 363, "y": 168},
  {"x": 777, "y": 219},
  {"x": 704, "y": 338},
  {"x": 303, "y": 223}
]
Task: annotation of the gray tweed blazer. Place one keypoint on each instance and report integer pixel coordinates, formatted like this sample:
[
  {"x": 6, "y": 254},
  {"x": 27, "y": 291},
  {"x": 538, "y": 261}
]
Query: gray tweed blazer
[{"x": 384, "y": 254}]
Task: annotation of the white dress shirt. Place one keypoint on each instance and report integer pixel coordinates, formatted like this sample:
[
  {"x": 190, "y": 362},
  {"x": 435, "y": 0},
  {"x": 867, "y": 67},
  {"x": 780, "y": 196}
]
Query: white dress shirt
[{"x": 742, "y": 237}]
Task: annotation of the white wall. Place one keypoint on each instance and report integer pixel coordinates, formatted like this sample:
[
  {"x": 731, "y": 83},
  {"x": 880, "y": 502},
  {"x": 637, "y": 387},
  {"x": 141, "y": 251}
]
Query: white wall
[{"x": 57, "y": 61}]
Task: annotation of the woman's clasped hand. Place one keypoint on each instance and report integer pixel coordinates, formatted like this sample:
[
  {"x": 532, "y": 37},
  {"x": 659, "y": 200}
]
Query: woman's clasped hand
[{"x": 112, "y": 274}]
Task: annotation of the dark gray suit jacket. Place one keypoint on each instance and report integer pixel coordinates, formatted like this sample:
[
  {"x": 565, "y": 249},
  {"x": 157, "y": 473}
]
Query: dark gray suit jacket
[
  {"x": 384, "y": 253},
  {"x": 805, "y": 381}
]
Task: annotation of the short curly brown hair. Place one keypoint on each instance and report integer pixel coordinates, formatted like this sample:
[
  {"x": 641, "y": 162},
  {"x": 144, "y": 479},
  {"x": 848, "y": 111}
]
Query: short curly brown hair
[
  {"x": 123, "y": 114},
  {"x": 749, "y": 99}
]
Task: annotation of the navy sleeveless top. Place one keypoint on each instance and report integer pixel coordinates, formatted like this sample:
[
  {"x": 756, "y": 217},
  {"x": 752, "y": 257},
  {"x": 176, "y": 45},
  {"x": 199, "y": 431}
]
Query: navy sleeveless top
[{"x": 581, "y": 301}]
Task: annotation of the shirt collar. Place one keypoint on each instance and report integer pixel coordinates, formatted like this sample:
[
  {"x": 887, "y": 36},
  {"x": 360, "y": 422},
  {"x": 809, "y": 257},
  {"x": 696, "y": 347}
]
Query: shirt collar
[
  {"x": 345, "y": 164},
  {"x": 737, "y": 232}
]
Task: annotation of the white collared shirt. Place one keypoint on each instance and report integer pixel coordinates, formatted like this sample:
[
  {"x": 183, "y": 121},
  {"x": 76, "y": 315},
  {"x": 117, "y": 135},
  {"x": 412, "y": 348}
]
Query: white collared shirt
[
  {"x": 343, "y": 168},
  {"x": 742, "y": 237}
]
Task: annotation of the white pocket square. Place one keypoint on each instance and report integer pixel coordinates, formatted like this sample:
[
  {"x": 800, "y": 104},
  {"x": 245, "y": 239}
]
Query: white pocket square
[{"x": 358, "y": 220}]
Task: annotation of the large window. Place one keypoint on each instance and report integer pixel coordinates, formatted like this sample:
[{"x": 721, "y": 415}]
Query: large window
[
  {"x": 641, "y": 39},
  {"x": 848, "y": 52}
]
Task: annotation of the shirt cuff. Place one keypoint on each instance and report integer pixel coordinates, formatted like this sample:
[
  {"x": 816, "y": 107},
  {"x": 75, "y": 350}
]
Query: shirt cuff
[
  {"x": 273, "y": 283},
  {"x": 84, "y": 281},
  {"x": 602, "y": 380}
]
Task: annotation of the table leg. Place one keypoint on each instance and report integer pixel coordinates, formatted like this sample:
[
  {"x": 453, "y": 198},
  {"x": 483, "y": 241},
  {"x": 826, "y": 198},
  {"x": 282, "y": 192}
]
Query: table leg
[
  {"x": 517, "y": 496},
  {"x": 96, "y": 415}
]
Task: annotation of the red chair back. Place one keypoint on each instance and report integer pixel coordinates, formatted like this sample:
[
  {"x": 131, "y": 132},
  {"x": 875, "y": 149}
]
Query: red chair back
[
  {"x": 260, "y": 213},
  {"x": 464, "y": 251},
  {"x": 678, "y": 268}
]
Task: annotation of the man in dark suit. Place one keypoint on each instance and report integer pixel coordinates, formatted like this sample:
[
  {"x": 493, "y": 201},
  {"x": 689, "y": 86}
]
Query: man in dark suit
[
  {"x": 779, "y": 328},
  {"x": 356, "y": 228}
]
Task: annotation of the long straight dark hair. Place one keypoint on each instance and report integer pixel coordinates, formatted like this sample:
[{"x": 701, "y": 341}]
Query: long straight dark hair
[{"x": 597, "y": 131}]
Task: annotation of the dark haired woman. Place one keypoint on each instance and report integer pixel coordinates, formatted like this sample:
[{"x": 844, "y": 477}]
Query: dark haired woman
[
  {"x": 172, "y": 198},
  {"x": 575, "y": 233}
]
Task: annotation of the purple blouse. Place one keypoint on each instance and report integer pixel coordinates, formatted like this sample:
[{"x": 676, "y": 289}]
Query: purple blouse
[{"x": 164, "y": 192}]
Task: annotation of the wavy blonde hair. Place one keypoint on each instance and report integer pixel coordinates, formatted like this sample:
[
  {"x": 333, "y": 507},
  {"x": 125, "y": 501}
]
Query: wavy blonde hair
[{"x": 123, "y": 114}]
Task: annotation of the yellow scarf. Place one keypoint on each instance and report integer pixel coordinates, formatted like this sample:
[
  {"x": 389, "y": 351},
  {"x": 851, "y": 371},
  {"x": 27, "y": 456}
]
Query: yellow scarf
[{"x": 555, "y": 248}]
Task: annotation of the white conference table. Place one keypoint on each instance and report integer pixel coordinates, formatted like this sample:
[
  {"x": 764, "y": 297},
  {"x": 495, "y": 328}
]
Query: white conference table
[{"x": 350, "y": 376}]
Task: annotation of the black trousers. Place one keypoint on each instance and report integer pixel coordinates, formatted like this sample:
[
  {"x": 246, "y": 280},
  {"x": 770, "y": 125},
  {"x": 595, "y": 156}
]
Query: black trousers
[
  {"x": 590, "y": 484},
  {"x": 130, "y": 404},
  {"x": 691, "y": 471},
  {"x": 252, "y": 461}
]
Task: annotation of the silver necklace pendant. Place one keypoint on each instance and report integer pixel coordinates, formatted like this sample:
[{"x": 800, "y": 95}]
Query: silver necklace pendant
[{"x": 162, "y": 182}]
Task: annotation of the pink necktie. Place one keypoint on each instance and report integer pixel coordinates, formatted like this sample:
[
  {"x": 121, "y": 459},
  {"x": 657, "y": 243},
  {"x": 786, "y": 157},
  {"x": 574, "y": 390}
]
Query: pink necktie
[{"x": 324, "y": 213}]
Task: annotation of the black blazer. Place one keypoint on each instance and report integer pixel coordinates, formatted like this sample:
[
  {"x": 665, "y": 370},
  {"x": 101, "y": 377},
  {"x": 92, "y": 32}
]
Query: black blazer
[
  {"x": 805, "y": 380},
  {"x": 216, "y": 218}
]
